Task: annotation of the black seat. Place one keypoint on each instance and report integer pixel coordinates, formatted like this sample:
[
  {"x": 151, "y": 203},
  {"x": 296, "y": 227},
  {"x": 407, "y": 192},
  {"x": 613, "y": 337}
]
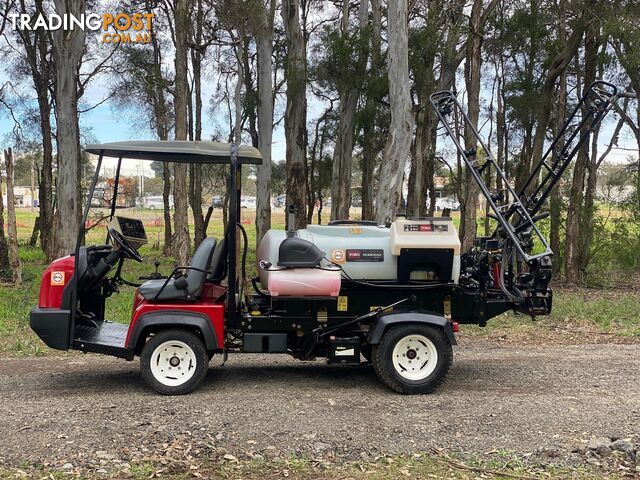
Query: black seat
[
  {"x": 218, "y": 266},
  {"x": 195, "y": 278}
]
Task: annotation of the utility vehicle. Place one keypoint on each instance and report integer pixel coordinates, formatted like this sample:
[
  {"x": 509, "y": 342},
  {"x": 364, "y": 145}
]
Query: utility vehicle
[{"x": 393, "y": 293}]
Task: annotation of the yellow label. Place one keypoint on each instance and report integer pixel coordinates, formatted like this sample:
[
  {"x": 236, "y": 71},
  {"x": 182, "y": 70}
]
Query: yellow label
[
  {"x": 447, "y": 307},
  {"x": 343, "y": 304},
  {"x": 57, "y": 278},
  {"x": 355, "y": 230}
]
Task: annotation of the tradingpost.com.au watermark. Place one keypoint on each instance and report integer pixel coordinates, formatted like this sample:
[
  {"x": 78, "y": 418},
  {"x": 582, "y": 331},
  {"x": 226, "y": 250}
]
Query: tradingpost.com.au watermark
[{"x": 127, "y": 28}]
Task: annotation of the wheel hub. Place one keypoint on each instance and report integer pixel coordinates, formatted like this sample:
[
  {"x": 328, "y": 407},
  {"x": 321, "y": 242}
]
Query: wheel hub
[
  {"x": 173, "y": 363},
  {"x": 414, "y": 357}
]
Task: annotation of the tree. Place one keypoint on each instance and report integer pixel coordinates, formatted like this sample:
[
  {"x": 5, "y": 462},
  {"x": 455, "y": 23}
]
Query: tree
[
  {"x": 472, "y": 74},
  {"x": 398, "y": 144},
  {"x": 68, "y": 47},
  {"x": 38, "y": 56},
  {"x": 4, "y": 246},
  {"x": 263, "y": 31},
  {"x": 350, "y": 68},
  {"x": 181, "y": 241},
  {"x": 14, "y": 258},
  {"x": 576, "y": 196},
  {"x": 296, "y": 108},
  {"x": 375, "y": 89},
  {"x": 198, "y": 50}
]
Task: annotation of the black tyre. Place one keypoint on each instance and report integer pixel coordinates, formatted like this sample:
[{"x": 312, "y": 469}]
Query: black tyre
[
  {"x": 413, "y": 358},
  {"x": 174, "y": 362}
]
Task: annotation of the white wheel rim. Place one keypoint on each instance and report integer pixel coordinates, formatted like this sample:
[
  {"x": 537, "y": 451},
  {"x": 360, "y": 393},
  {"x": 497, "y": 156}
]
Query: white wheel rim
[
  {"x": 415, "y": 357},
  {"x": 173, "y": 363}
]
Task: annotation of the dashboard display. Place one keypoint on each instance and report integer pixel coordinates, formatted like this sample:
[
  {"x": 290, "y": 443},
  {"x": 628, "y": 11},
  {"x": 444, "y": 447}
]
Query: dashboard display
[{"x": 132, "y": 229}]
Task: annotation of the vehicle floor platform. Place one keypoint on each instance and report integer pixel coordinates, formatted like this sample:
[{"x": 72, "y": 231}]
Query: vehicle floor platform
[{"x": 107, "y": 338}]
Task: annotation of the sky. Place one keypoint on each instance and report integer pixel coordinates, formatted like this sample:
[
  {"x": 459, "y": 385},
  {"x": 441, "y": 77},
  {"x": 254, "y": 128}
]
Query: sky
[{"x": 109, "y": 125}]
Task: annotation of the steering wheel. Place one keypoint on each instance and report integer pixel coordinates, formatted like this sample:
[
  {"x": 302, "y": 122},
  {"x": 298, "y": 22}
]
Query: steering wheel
[{"x": 123, "y": 244}]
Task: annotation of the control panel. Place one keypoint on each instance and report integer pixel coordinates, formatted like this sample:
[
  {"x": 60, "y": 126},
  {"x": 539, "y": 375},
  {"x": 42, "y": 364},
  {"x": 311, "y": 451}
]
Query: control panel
[{"x": 131, "y": 228}]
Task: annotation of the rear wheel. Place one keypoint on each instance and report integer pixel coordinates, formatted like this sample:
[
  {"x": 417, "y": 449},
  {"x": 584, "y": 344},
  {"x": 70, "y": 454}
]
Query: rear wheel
[
  {"x": 413, "y": 358},
  {"x": 174, "y": 362}
]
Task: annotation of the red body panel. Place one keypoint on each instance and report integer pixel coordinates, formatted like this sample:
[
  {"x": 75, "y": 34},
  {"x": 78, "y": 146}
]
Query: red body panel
[
  {"x": 209, "y": 304},
  {"x": 54, "y": 279}
]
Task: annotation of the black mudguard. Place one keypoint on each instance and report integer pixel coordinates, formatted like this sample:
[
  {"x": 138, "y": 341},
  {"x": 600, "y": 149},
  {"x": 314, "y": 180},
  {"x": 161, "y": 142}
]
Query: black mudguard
[
  {"x": 176, "y": 319},
  {"x": 393, "y": 318}
]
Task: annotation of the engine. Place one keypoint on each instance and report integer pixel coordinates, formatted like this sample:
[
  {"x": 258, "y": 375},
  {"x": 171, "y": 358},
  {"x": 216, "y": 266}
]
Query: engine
[{"x": 426, "y": 249}]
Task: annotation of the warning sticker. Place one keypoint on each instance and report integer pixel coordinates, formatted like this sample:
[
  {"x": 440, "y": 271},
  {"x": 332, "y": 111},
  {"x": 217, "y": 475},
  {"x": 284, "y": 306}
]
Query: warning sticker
[
  {"x": 343, "y": 304},
  {"x": 337, "y": 256},
  {"x": 57, "y": 278},
  {"x": 365, "y": 255}
]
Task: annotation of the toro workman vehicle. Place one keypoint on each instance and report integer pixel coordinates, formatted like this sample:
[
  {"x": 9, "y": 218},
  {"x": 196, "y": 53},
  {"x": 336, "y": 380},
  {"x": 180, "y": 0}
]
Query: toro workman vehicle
[{"x": 393, "y": 293}]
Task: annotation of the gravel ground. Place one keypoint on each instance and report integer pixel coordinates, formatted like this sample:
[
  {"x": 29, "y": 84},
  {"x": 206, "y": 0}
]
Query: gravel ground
[{"x": 537, "y": 401}]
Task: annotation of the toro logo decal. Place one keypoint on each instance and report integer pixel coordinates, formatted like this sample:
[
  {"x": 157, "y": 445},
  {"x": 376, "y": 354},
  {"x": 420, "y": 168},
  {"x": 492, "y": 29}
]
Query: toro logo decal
[
  {"x": 57, "y": 278},
  {"x": 365, "y": 255}
]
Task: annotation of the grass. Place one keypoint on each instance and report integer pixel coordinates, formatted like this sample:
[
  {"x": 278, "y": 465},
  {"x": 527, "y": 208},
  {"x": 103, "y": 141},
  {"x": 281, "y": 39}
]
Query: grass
[
  {"x": 576, "y": 313},
  {"x": 577, "y": 310},
  {"x": 438, "y": 466}
]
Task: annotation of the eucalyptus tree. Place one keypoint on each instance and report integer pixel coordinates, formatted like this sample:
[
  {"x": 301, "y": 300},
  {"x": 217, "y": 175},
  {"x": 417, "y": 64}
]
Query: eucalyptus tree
[
  {"x": 349, "y": 60},
  {"x": 68, "y": 48},
  {"x": 262, "y": 24},
  {"x": 33, "y": 49},
  {"x": 296, "y": 108},
  {"x": 181, "y": 238},
  {"x": 396, "y": 151}
]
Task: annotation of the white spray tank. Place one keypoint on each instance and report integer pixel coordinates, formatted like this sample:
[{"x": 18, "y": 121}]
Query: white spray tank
[{"x": 408, "y": 249}]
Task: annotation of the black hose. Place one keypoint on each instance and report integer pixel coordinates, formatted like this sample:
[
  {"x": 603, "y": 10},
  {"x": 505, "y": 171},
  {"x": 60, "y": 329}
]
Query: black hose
[
  {"x": 243, "y": 267},
  {"x": 254, "y": 282}
]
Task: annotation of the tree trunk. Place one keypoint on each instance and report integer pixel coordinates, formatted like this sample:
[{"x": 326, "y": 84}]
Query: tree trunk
[
  {"x": 166, "y": 212},
  {"x": 264, "y": 47},
  {"x": 555, "y": 200},
  {"x": 343, "y": 149},
  {"x": 296, "y": 110},
  {"x": 181, "y": 247},
  {"x": 469, "y": 202},
  {"x": 398, "y": 144},
  {"x": 574, "y": 211},
  {"x": 68, "y": 47},
  {"x": 14, "y": 258},
  {"x": 195, "y": 170},
  {"x": 369, "y": 149},
  {"x": 4, "y": 247}
]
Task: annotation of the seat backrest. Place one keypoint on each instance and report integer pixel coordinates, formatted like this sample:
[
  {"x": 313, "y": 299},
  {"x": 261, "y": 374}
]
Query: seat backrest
[
  {"x": 201, "y": 259},
  {"x": 218, "y": 264}
]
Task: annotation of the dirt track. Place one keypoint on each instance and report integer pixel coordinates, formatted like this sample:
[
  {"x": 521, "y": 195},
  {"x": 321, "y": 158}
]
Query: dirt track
[{"x": 539, "y": 400}]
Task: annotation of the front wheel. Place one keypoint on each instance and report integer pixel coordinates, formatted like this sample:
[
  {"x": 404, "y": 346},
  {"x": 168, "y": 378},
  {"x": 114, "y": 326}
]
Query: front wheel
[
  {"x": 174, "y": 362},
  {"x": 413, "y": 358}
]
